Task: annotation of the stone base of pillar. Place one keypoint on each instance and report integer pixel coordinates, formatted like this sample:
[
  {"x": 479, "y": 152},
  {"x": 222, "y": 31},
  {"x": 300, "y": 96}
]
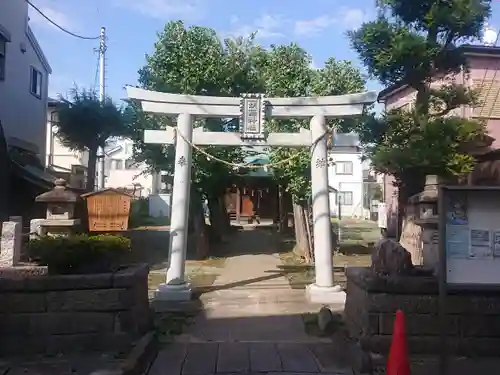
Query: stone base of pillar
[
  {"x": 173, "y": 292},
  {"x": 325, "y": 295}
]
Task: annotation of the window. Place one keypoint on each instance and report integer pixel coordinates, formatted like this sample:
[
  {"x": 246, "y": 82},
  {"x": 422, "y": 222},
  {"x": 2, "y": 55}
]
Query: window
[
  {"x": 36, "y": 83},
  {"x": 53, "y": 118},
  {"x": 117, "y": 164},
  {"x": 489, "y": 98},
  {"x": 3, "y": 51},
  {"x": 343, "y": 167},
  {"x": 345, "y": 198}
]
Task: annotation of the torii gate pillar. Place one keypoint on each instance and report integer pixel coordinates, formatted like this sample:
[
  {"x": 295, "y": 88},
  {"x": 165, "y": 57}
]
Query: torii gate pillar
[{"x": 251, "y": 108}]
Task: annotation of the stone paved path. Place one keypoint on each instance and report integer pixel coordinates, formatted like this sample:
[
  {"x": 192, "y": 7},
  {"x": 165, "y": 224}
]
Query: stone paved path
[
  {"x": 246, "y": 358},
  {"x": 251, "y": 322}
]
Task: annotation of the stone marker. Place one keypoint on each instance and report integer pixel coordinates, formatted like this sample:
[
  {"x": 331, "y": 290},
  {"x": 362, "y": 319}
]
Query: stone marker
[
  {"x": 10, "y": 244},
  {"x": 36, "y": 228},
  {"x": 325, "y": 318},
  {"x": 17, "y": 219},
  {"x": 390, "y": 258}
]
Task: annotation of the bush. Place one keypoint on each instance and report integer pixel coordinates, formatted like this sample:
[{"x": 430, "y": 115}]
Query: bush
[{"x": 80, "y": 253}]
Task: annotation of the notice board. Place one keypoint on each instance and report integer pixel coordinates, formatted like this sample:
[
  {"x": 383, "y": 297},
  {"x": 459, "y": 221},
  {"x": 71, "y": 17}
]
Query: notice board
[{"x": 471, "y": 234}]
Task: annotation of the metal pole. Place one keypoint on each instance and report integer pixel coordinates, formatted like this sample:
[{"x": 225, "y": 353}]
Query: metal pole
[
  {"x": 102, "y": 98},
  {"x": 443, "y": 324}
]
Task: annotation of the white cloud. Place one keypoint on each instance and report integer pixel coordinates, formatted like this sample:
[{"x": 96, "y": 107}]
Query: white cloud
[
  {"x": 353, "y": 17},
  {"x": 60, "y": 18},
  {"x": 350, "y": 18},
  {"x": 314, "y": 26},
  {"x": 267, "y": 26},
  {"x": 165, "y": 9}
]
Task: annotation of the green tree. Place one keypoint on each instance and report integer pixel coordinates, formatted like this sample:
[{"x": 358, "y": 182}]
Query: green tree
[
  {"x": 414, "y": 43},
  {"x": 195, "y": 61},
  {"x": 287, "y": 73},
  {"x": 86, "y": 124}
]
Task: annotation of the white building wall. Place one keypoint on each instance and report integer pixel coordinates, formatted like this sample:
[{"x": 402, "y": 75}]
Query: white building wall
[
  {"x": 349, "y": 183},
  {"x": 127, "y": 179},
  {"x": 118, "y": 175},
  {"x": 59, "y": 155},
  {"x": 23, "y": 115}
]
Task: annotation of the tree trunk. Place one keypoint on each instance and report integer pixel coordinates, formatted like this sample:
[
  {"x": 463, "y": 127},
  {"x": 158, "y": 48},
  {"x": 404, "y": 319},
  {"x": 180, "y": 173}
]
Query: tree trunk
[
  {"x": 91, "y": 169},
  {"x": 198, "y": 236},
  {"x": 282, "y": 215},
  {"x": 309, "y": 255},
  {"x": 219, "y": 220},
  {"x": 301, "y": 239},
  {"x": 409, "y": 187},
  {"x": 225, "y": 219}
]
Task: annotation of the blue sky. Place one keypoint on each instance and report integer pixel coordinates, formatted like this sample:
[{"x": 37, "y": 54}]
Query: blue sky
[{"x": 317, "y": 25}]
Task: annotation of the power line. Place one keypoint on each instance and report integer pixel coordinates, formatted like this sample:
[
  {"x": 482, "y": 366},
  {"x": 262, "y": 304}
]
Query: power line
[{"x": 58, "y": 26}]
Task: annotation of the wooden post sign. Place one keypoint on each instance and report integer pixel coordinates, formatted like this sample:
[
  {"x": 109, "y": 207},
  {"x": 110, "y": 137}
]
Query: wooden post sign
[{"x": 108, "y": 210}]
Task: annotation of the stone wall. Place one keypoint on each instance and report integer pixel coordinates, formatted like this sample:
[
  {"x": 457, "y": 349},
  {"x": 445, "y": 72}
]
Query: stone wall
[
  {"x": 473, "y": 318},
  {"x": 50, "y": 314}
]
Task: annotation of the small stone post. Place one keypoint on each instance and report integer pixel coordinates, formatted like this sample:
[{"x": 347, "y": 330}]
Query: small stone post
[
  {"x": 17, "y": 219},
  {"x": 10, "y": 244},
  {"x": 36, "y": 228}
]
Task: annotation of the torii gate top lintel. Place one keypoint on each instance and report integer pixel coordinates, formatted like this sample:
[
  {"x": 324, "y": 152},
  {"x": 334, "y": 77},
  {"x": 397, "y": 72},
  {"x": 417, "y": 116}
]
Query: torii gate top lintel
[
  {"x": 218, "y": 106},
  {"x": 252, "y": 109}
]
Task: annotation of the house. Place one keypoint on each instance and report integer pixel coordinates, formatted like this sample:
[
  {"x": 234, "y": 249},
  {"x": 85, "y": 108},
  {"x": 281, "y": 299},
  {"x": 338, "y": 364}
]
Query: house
[
  {"x": 24, "y": 78},
  {"x": 123, "y": 172},
  {"x": 257, "y": 191},
  {"x": 120, "y": 170},
  {"x": 345, "y": 175},
  {"x": 483, "y": 74},
  {"x": 62, "y": 161},
  {"x": 253, "y": 191}
]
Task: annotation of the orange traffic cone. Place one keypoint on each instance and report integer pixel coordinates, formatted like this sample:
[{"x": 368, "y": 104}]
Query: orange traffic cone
[{"x": 398, "y": 362}]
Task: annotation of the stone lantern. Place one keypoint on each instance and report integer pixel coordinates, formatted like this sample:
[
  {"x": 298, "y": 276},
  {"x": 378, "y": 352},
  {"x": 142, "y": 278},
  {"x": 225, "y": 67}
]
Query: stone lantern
[
  {"x": 60, "y": 216},
  {"x": 427, "y": 203}
]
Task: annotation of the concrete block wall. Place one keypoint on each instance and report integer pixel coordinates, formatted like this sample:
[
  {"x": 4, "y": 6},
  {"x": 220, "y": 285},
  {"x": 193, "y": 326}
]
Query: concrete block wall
[
  {"x": 50, "y": 314},
  {"x": 472, "y": 317}
]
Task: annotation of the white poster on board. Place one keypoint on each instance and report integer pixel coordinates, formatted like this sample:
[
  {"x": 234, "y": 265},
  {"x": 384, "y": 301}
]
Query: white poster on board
[
  {"x": 480, "y": 244},
  {"x": 457, "y": 241},
  {"x": 457, "y": 211},
  {"x": 496, "y": 243}
]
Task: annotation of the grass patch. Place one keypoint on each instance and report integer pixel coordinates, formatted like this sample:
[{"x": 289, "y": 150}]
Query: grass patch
[
  {"x": 353, "y": 232},
  {"x": 169, "y": 325},
  {"x": 215, "y": 262},
  {"x": 299, "y": 274}
]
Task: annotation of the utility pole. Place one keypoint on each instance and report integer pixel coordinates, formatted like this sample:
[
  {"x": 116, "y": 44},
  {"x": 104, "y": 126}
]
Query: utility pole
[{"x": 102, "y": 97}]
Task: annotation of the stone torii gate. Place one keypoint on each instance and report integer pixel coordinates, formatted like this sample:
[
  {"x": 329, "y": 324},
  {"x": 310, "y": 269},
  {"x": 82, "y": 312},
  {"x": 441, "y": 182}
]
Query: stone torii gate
[{"x": 252, "y": 110}]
